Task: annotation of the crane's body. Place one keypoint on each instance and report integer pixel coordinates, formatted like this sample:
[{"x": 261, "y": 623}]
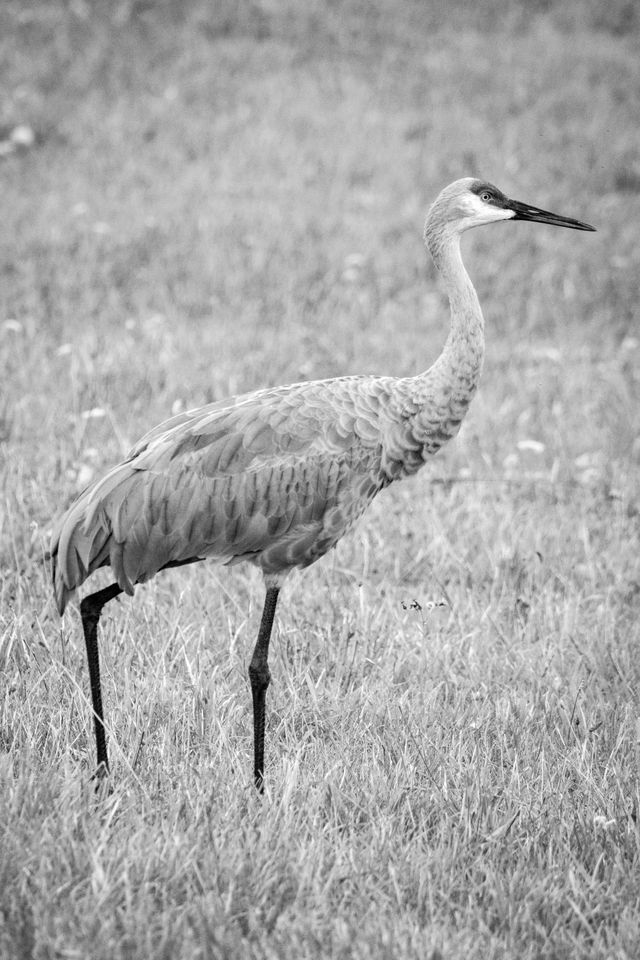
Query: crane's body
[{"x": 276, "y": 477}]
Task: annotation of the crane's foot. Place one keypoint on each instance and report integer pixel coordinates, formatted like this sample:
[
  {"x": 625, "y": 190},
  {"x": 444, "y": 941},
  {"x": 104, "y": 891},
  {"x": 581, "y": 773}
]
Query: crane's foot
[{"x": 102, "y": 785}]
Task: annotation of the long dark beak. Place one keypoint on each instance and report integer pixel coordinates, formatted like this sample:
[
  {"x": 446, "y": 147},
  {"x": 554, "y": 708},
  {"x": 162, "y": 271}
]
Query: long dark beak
[{"x": 525, "y": 212}]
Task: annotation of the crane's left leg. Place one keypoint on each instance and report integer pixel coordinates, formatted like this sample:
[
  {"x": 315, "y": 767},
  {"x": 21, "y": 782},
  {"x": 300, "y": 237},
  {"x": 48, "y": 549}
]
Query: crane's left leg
[
  {"x": 90, "y": 610},
  {"x": 260, "y": 676}
]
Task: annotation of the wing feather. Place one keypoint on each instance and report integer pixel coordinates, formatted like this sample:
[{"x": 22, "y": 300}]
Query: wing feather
[{"x": 269, "y": 477}]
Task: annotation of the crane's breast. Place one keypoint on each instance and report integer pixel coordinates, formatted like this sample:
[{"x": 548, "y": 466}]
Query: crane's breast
[{"x": 297, "y": 513}]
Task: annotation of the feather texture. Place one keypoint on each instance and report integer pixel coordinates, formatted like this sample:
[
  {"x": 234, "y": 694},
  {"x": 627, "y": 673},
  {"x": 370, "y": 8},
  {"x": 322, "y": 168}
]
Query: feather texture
[{"x": 275, "y": 477}]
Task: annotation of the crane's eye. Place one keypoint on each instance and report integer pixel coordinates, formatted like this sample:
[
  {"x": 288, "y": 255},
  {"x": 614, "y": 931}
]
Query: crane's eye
[{"x": 486, "y": 196}]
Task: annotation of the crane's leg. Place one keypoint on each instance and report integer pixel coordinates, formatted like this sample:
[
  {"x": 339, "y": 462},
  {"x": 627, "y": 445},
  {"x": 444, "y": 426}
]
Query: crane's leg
[
  {"x": 90, "y": 610},
  {"x": 260, "y": 676}
]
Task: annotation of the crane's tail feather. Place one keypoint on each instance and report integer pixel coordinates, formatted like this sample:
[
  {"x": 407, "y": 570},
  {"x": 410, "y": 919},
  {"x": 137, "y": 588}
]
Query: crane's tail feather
[
  {"x": 133, "y": 527},
  {"x": 83, "y": 540}
]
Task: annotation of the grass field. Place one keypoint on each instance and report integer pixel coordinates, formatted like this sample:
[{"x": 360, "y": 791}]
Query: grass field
[{"x": 203, "y": 198}]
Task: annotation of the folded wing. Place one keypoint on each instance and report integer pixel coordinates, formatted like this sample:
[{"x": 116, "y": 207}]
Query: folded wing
[{"x": 274, "y": 477}]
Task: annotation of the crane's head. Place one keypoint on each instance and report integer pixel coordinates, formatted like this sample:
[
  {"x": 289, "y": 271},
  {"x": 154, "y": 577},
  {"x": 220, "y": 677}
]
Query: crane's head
[{"x": 469, "y": 203}]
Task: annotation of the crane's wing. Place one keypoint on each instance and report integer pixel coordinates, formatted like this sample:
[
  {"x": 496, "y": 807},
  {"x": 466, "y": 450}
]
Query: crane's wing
[{"x": 275, "y": 477}]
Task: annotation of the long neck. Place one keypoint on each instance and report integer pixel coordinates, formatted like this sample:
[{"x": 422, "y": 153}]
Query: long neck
[
  {"x": 440, "y": 397},
  {"x": 453, "y": 378}
]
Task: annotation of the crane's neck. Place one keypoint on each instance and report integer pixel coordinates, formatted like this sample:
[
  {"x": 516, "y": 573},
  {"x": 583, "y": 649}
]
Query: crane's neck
[
  {"x": 436, "y": 401},
  {"x": 453, "y": 378},
  {"x": 433, "y": 404}
]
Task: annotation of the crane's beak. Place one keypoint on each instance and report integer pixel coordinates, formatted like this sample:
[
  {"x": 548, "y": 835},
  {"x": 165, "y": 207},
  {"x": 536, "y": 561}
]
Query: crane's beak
[{"x": 522, "y": 211}]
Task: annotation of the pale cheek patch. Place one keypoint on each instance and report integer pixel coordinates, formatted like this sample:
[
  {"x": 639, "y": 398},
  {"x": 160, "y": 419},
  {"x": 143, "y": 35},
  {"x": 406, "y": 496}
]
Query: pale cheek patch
[{"x": 485, "y": 213}]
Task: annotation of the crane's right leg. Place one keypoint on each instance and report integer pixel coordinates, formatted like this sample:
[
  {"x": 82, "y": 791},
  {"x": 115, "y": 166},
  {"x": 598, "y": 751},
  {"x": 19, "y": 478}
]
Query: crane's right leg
[
  {"x": 90, "y": 609},
  {"x": 260, "y": 676}
]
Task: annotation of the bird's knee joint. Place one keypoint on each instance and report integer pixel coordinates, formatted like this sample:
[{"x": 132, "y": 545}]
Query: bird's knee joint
[
  {"x": 88, "y": 610},
  {"x": 259, "y": 675}
]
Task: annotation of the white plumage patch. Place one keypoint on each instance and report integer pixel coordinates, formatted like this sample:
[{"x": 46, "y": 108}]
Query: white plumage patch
[{"x": 477, "y": 212}]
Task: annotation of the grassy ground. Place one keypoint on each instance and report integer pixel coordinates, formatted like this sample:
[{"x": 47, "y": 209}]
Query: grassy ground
[{"x": 222, "y": 196}]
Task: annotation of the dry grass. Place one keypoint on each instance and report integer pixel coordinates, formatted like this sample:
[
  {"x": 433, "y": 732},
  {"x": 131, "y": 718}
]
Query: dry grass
[{"x": 230, "y": 195}]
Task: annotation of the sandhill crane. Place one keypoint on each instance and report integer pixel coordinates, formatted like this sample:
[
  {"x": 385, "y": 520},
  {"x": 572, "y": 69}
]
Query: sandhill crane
[{"x": 278, "y": 476}]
